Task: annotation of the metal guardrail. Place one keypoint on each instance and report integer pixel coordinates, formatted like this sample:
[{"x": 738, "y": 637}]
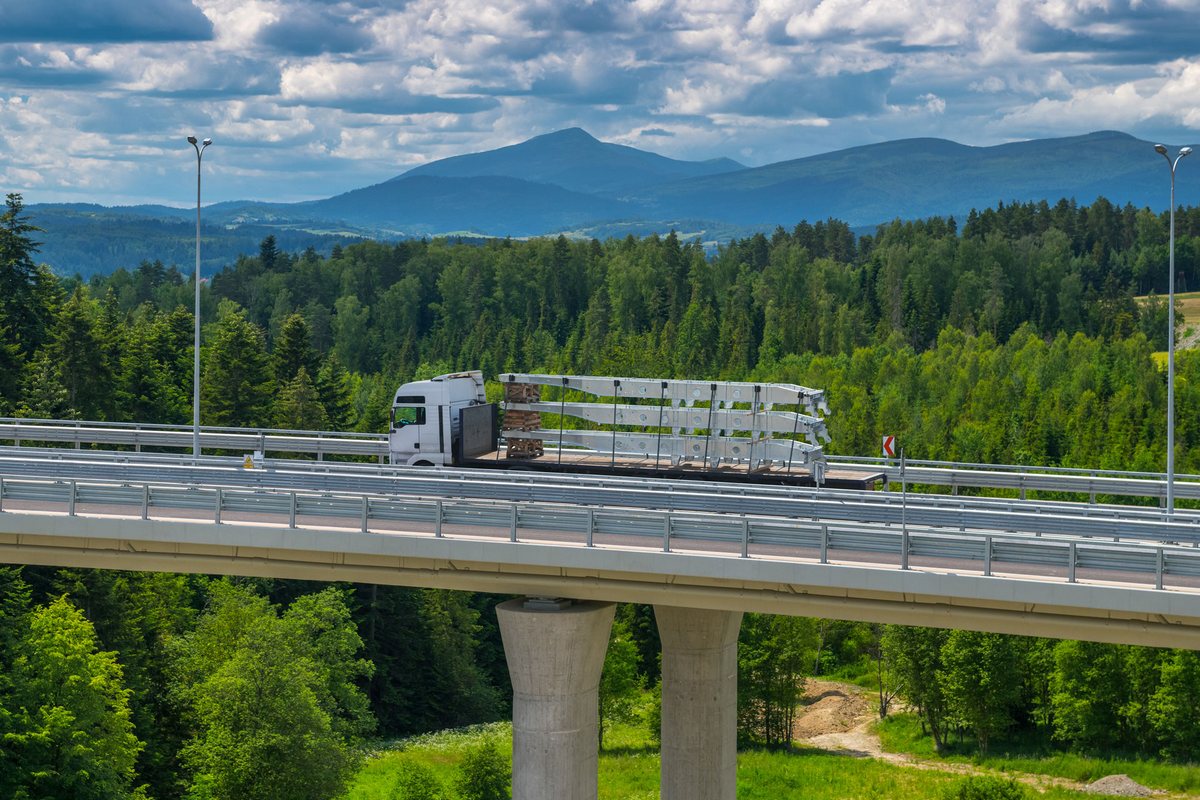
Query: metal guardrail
[
  {"x": 839, "y": 506},
  {"x": 78, "y": 433},
  {"x": 981, "y": 548},
  {"x": 1024, "y": 478},
  {"x": 1017, "y": 478}
]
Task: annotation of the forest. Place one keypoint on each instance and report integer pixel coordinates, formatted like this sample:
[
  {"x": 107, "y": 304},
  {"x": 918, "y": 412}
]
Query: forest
[{"x": 1016, "y": 336}]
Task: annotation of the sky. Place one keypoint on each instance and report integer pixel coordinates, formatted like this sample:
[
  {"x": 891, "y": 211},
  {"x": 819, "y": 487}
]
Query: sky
[{"x": 305, "y": 99}]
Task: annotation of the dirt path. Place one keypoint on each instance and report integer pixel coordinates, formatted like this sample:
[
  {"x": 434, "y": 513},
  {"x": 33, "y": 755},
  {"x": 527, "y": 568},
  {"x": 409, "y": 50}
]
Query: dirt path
[{"x": 837, "y": 717}]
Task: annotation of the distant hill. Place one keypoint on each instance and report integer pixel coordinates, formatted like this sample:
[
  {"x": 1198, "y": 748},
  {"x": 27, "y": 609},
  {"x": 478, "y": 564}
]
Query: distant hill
[
  {"x": 570, "y": 182},
  {"x": 574, "y": 160},
  {"x": 90, "y": 240},
  {"x": 915, "y": 178},
  {"x": 418, "y": 205}
]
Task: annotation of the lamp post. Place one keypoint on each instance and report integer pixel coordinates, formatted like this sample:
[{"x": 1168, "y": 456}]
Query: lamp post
[
  {"x": 1162, "y": 150},
  {"x": 200, "y": 148}
]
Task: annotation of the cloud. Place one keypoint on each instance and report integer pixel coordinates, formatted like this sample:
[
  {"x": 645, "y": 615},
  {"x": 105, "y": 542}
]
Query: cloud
[
  {"x": 305, "y": 97},
  {"x": 311, "y": 30},
  {"x": 87, "y": 21}
]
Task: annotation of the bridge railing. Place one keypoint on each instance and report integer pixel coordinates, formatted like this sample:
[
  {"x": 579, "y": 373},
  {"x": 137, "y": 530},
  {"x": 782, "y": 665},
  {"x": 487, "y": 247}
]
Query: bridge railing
[
  {"x": 1015, "y": 477},
  {"x": 127, "y": 434},
  {"x": 981, "y": 548}
]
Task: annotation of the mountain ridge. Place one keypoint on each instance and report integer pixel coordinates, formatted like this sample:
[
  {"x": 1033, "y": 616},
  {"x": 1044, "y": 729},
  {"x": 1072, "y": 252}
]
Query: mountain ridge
[{"x": 569, "y": 181}]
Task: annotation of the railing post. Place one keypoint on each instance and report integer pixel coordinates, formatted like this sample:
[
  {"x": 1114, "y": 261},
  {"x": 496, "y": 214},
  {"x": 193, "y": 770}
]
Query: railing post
[
  {"x": 1158, "y": 569},
  {"x": 512, "y": 528},
  {"x": 437, "y": 521},
  {"x": 1071, "y": 565},
  {"x": 1, "y": 493},
  {"x": 217, "y": 501},
  {"x": 292, "y": 511},
  {"x": 824, "y": 544},
  {"x": 745, "y": 538},
  {"x": 366, "y": 512},
  {"x": 146, "y": 501},
  {"x": 666, "y": 533},
  {"x": 987, "y": 556},
  {"x": 71, "y": 500},
  {"x": 904, "y": 548},
  {"x": 591, "y": 526}
]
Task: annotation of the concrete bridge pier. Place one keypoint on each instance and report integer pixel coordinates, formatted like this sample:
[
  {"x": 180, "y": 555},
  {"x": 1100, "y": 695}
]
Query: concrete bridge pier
[
  {"x": 555, "y": 651},
  {"x": 699, "y": 703}
]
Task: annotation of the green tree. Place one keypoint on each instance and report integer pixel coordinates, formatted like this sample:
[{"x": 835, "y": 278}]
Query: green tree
[
  {"x": 620, "y": 683},
  {"x": 10, "y": 367},
  {"x": 14, "y": 614},
  {"x": 1175, "y": 708},
  {"x": 293, "y": 350},
  {"x": 299, "y": 405},
  {"x": 77, "y": 350},
  {"x": 336, "y": 388},
  {"x": 20, "y": 278},
  {"x": 485, "y": 774},
  {"x": 916, "y": 654},
  {"x": 981, "y": 673},
  {"x": 272, "y": 713},
  {"x": 72, "y": 731},
  {"x": 236, "y": 387},
  {"x": 774, "y": 654}
]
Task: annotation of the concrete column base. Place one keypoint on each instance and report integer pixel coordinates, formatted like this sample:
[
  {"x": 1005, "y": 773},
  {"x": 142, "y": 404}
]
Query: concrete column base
[
  {"x": 699, "y": 702},
  {"x": 555, "y": 657}
]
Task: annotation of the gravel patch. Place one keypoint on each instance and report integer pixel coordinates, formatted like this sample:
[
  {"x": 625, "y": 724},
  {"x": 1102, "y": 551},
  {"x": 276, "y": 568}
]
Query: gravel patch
[{"x": 1119, "y": 786}]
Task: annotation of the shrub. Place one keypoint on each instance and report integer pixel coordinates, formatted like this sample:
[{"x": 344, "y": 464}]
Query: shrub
[
  {"x": 986, "y": 787},
  {"x": 416, "y": 782},
  {"x": 486, "y": 774}
]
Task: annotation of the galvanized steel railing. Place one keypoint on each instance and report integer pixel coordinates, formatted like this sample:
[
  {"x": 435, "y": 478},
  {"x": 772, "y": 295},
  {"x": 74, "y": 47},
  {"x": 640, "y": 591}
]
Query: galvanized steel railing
[{"x": 743, "y": 536}]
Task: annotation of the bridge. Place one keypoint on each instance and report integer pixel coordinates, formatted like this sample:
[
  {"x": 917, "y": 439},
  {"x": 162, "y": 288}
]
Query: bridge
[{"x": 702, "y": 554}]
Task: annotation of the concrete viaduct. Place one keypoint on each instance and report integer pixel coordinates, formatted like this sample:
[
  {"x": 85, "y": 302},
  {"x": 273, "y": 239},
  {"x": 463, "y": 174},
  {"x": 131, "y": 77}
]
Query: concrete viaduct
[{"x": 555, "y": 647}]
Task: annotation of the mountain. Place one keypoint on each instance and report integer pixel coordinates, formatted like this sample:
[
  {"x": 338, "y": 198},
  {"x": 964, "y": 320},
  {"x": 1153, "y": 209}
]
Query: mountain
[
  {"x": 419, "y": 205},
  {"x": 914, "y": 178},
  {"x": 568, "y": 181},
  {"x": 575, "y": 160}
]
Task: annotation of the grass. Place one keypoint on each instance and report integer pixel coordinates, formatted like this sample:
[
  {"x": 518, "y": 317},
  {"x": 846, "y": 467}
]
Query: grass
[
  {"x": 629, "y": 770},
  {"x": 901, "y": 733}
]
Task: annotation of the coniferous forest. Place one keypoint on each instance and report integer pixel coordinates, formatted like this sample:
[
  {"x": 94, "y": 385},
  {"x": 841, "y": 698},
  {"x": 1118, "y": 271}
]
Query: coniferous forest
[{"x": 1013, "y": 336}]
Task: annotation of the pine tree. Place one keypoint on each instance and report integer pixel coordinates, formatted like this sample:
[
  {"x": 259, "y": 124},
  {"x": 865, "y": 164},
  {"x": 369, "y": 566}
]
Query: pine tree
[
  {"x": 78, "y": 350},
  {"x": 293, "y": 350},
  {"x": 337, "y": 394},
  {"x": 236, "y": 384},
  {"x": 299, "y": 405},
  {"x": 19, "y": 277},
  {"x": 10, "y": 368}
]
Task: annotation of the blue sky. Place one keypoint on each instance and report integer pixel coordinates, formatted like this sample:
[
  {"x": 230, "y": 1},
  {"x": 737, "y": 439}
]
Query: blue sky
[{"x": 308, "y": 98}]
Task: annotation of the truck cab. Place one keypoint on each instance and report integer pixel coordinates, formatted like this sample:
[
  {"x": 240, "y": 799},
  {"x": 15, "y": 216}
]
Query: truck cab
[{"x": 427, "y": 418}]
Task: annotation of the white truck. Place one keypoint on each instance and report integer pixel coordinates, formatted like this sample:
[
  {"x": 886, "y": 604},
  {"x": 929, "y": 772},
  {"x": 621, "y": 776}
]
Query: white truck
[{"x": 709, "y": 430}]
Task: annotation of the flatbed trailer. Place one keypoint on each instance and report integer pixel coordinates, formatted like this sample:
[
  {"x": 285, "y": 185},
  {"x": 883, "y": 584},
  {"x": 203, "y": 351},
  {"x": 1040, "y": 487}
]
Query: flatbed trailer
[
  {"x": 599, "y": 464},
  {"x": 753, "y": 433}
]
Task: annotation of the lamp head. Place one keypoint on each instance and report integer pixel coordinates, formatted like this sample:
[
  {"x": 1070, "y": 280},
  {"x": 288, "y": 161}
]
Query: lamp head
[
  {"x": 191, "y": 140},
  {"x": 207, "y": 142},
  {"x": 1185, "y": 151},
  {"x": 1161, "y": 149}
]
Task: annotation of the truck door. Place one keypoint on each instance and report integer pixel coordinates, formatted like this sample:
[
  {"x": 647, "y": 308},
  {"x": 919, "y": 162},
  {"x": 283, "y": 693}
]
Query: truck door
[{"x": 408, "y": 429}]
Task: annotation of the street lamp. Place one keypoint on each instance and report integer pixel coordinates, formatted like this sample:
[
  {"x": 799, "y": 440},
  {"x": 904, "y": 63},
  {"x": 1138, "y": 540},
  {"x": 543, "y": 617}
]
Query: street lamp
[
  {"x": 200, "y": 148},
  {"x": 1162, "y": 150}
]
